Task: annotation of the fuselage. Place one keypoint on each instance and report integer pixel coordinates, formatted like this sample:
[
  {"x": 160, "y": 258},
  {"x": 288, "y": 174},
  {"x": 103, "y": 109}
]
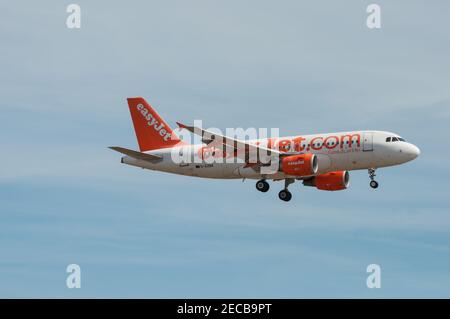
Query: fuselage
[{"x": 335, "y": 152}]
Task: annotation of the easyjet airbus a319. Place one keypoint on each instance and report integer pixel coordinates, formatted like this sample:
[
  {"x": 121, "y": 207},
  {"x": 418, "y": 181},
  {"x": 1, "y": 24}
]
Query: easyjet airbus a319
[{"x": 319, "y": 160}]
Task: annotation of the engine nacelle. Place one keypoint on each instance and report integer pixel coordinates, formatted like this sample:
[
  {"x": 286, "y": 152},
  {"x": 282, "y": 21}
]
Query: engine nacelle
[
  {"x": 333, "y": 181},
  {"x": 300, "y": 165}
]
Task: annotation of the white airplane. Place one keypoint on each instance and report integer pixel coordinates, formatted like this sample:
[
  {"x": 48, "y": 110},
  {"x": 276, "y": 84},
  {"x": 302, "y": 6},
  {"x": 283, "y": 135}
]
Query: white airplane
[{"x": 320, "y": 160}]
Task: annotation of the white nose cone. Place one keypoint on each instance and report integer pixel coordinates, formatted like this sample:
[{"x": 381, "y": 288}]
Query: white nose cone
[
  {"x": 412, "y": 151},
  {"x": 416, "y": 151}
]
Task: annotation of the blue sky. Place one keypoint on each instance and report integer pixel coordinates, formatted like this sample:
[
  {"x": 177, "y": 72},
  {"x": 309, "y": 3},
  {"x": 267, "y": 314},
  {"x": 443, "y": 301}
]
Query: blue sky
[{"x": 305, "y": 67}]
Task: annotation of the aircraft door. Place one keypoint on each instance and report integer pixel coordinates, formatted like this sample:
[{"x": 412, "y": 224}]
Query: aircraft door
[{"x": 368, "y": 142}]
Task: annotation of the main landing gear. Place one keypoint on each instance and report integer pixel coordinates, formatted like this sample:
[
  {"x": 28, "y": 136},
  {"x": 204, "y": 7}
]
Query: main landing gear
[
  {"x": 262, "y": 185},
  {"x": 285, "y": 194},
  {"x": 373, "y": 183}
]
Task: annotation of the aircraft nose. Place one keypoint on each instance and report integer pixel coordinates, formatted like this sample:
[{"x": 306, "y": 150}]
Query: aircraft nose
[
  {"x": 412, "y": 151},
  {"x": 416, "y": 151}
]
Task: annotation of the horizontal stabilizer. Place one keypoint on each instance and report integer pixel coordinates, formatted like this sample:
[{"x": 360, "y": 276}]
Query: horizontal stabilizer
[{"x": 137, "y": 155}]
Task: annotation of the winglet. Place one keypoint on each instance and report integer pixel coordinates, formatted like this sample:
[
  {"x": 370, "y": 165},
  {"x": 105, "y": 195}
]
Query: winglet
[
  {"x": 186, "y": 127},
  {"x": 181, "y": 125}
]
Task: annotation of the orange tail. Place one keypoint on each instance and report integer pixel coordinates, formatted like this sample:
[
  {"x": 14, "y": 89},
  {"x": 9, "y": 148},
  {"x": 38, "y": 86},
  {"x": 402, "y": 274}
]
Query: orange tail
[{"x": 152, "y": 131}]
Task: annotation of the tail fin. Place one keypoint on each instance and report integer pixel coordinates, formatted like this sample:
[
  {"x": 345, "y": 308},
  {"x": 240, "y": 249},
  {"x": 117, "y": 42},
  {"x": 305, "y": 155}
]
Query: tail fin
[{"x": 152, "y": 131}]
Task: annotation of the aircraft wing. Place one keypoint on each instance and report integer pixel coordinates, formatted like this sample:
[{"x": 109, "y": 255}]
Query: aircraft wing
[
  {"x": 137, "y": 155},
  {"x": 246, "y": 148}
]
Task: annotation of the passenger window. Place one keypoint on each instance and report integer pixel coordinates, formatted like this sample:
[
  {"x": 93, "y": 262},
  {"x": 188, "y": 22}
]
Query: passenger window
[{"x": 388, "y": 139}]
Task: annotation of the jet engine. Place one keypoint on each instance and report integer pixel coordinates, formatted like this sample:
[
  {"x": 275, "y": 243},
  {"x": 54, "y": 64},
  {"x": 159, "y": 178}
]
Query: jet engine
[
  {"x": 300, "y": 165},
  {"x": 333, "y": 181}
]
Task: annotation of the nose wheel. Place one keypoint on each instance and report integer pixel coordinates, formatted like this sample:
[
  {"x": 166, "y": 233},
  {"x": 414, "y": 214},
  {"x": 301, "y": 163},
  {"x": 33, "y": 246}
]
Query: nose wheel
[
  {"x": 373, "y": 183},
  {"x": 262, "y": 186}
]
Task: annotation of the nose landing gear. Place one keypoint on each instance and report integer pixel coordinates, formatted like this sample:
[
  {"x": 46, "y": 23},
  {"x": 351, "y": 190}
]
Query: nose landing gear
[
  {"x": 285, "y": 194},
  {"x": 373, "y": 183}
]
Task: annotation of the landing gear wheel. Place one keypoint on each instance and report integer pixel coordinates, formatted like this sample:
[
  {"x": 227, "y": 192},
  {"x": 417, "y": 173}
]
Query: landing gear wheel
[
  {"x": 262, "y": 186},
  {"x": 285, "y": 195},
  {"x": 373, "y": 183}
]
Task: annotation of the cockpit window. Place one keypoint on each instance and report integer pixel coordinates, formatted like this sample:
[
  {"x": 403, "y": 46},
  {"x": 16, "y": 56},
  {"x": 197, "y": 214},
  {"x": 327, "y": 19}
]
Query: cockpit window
[{"x": 395, "y": 139}]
